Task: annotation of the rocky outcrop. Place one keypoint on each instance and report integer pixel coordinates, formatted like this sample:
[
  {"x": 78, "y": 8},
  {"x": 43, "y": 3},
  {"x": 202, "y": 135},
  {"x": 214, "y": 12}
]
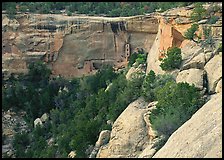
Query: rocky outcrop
[
  {"x": 192, "y": 76},
  {"x": 129, "y": 135},
  {"x": 44, "y": 117},
  {"x": 37, "y": 122},
  {"x": 200, "y": 136},
  {"x": 197, "y": 62},
  {"x": 214, "y": 72},
  {"x": 170, "y": 33},
  {"x": 172, "y": 26},
  {"x": 12, "y": 123},
  {"x": 40, "y": 121},
  {"x": 73, "y": 45},
  {"x": 102, "y": 140},
  {"x": 218, "y": 88},
  {"x": 133, "y": 71}
]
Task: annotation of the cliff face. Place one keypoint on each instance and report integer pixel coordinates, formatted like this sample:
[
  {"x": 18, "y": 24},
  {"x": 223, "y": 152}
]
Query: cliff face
[
  {"x": 200, "y": 136},
  {"x": 172, "y": 26},
  {"x": 73, "y": 46}
]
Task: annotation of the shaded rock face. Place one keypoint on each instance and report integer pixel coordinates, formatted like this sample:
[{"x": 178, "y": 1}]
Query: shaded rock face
[
  {"x": 200, "y": 136},
  {"x": 214, "y": 72},
  {"x": 129, "y": 135},
  {"x": 73, "y": 46}
]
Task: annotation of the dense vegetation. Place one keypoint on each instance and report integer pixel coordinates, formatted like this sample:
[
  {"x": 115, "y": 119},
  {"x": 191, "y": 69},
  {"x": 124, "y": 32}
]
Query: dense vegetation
[
  {"x": 138, "y": 58},
  {"x": 92, "y": 8},
  {"x": 190, "y": 33},
  {"x": 80, "y": 108},
  {"x": 172, "y": 59},
  {"x": 177, "y": 102},
  {"x": 199, "y": 13}
]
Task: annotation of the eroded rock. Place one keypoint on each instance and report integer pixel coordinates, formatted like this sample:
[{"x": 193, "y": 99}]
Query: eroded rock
[
  {"x": 214, "y": 72},
  {"x": 38, "y": 122},
  {"x": 197, "y": 62},
  {"x": 192, "y": 76},
  {"x": 218, "y": 88},
  {"x": 129, "y": 135}
]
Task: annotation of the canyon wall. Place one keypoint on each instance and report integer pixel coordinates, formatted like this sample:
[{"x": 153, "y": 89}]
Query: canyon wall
[
  {"x": 173, "y": 24},
  {"x": 73, "y": 46}
]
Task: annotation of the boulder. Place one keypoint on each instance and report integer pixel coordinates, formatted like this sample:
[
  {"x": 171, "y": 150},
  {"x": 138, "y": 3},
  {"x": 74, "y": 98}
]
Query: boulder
[
  {"x": 203, "y": 21},
  {"x": 219, "y": 86},
  {"x": 129, "y": 135},
  {"x": 192, "y": 76},
  {"x": 131, "y": 72},
  {"x": 189, "y": 51},
  {"x": 8, "y": 132},
  {"x": 214, "y": 72},
  {"x": 103, "y": 138},
  {"x": 50, "y": 142},
  {"x": 38, "y": 122},
  {"x": 44, "y": 117},
  {"x": 200, "y": 136},
  {"x": 197, "y": 62},
  {"x": 7, "y": 116},
  {"x": 72, "y": 154}
]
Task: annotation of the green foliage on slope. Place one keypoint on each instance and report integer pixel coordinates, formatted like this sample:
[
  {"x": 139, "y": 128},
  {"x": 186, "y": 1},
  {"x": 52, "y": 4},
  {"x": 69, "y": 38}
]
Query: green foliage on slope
[
  {"x": 80, "y": 108},
  {"x": 112, "y": 9},
  {"x": 177, "y": 102},
  {"x": 172, "y": 60},
  {"x": 199, "y": 12},
  {"x": 77, "y": 113}
]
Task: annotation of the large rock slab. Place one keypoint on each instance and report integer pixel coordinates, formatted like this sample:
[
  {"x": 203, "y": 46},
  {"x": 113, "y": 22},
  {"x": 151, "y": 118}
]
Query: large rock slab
[
  {"x": 191, "y": 76},
  {"x": 102, "y": 140},
  {"x": 129, "y": 135},
  {"x": 197, "y": 62},
  {"x": 189, "y": 51},
  {"x": 214, "y": 72},
  {"x": 219, "y": 86},
  {"x": 200, "y": 136}
]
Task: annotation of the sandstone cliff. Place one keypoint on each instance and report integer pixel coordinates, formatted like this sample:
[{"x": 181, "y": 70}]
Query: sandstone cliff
[
  {"x": 172, "y": 26},
  {"x": 200, "y": 136},
  {"x": 75, "y": 45}
]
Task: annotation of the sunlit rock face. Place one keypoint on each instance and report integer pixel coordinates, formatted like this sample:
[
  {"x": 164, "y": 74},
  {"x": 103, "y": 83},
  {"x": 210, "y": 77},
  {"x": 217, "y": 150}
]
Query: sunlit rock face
[{"x": 73, "y": 46}]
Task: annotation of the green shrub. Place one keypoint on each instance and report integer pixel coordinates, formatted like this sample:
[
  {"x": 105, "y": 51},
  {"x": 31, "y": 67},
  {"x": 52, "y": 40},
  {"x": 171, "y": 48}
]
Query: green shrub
[
  {"x": 198, "y": 12},
  {"x": 177, "y": 102},
  {"x": 38, "y": 71},
  {"x": 219, "y": 47},
  {"x": 172, "y": 60},
  {"x": 213, "y": 20},
  {"x": 152, "y": 83},
  {"x": 141, "y": 59},
  {"x": 69, "y": 13},
  {"x": 208, "y": 41},
  {"x": 190, "y": 33}
]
